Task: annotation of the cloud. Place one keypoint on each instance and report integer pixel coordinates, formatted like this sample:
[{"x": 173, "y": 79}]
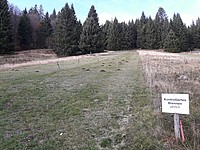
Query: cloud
[{"x": 187, "y": 19}]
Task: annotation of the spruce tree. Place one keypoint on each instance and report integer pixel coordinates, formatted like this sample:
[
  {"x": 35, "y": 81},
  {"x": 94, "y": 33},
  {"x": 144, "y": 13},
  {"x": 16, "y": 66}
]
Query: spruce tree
[
  {"x": 165, "y": 31},
  {"x": 105, "y": 31},
  {"x": 171, "y": 43},
  {"x": 15, "y": 15},
  {"x": 141, "y": 31},
  {"x": 196, "y": 33},
  {"x": 35, "y": 19},
  {"x": 192, "y": 32},
  {"x": 131, "y": 35},
  {"x": 122, "y": 36},
  {"x": 53, "y": 18},
  {"x": 128, "y": 37},
  {"x": 137, "y": 26},
  {"x": 114, "y": 42},
  {"x": 45, "y": 32},
  {"x": 25, "y": 31},
  {"x": 191, "y": 37},
  {"x": 150, "y": 42},
  {"x": 53, "y": 15},
  {"x": 6, "y": 41},
  {"x": 67, "y": 33},
  {"x": 160, "y": 33},
  {"x": 91, "y": 40},
  {"x": 180, "y": 30},
  {"x": 123, "y": 28}
]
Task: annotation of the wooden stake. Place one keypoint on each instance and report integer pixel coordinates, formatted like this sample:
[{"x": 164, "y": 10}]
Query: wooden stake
[
  {"x": 58, "y": 65},
  {"x": 176, "y": 126},
  {"x": 182, "y": 133}
]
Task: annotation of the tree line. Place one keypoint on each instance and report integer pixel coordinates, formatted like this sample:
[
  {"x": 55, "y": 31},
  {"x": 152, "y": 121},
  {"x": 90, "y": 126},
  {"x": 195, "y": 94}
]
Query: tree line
[{"x": 62, "y": 32}]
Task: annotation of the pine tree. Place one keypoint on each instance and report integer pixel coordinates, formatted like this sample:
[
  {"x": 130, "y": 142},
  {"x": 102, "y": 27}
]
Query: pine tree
[
  {"x": 67, "y": 33},
  {"x": 6, "y": 41},
  {"x": 91, "y": 40},
  {"x": 25, "y": 31},
  {"x": 171, "y": 43}
]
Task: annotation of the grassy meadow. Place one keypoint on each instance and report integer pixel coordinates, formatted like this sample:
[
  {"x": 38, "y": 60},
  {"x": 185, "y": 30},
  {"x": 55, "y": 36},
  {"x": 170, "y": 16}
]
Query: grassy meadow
[{"x": 99, "y": 102}]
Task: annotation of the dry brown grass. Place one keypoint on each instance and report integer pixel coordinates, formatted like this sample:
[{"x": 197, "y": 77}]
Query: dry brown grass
[
  {"x": 39, "y": 56},
  {"x": 25, "y": 56},
  {"x": 174, "y": 73}
]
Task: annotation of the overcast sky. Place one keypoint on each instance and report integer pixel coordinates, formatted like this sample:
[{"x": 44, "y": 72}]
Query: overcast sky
[{"x": 124, "y": 10}]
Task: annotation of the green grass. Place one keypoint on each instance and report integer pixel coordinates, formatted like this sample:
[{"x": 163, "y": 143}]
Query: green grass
[{"x": 78, "y": 106}]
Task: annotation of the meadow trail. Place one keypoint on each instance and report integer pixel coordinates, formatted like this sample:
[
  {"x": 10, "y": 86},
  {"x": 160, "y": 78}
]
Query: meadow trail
[{"x": 98, "y": 102}]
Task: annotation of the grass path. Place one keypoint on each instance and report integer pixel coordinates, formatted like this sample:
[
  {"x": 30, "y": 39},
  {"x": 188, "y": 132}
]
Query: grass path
[{"x": 93, "y": 103}]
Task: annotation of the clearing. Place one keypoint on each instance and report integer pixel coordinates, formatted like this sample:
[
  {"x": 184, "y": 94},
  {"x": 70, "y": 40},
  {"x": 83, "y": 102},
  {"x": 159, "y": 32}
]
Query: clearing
[{"x": 93, "y": 102}]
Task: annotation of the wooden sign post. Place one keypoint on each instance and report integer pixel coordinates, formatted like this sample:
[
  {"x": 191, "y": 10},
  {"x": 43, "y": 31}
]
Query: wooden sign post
[
  {"x": 176, "y": 104},
  {"x": 176, "y": 126}
]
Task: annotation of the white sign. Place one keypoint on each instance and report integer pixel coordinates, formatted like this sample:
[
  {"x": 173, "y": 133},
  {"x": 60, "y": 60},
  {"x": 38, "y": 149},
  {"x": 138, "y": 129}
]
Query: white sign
[{"x": 175, "y": 103}]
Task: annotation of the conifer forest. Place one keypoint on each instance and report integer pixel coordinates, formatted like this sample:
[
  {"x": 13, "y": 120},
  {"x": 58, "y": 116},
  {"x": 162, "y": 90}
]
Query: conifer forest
[{"x": 61, "y": 31}]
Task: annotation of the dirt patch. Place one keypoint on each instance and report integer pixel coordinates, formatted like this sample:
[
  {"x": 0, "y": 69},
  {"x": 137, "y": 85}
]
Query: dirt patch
[
  {"x": 102, "y": 71},
  {"x": 87, "y": 69}
]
